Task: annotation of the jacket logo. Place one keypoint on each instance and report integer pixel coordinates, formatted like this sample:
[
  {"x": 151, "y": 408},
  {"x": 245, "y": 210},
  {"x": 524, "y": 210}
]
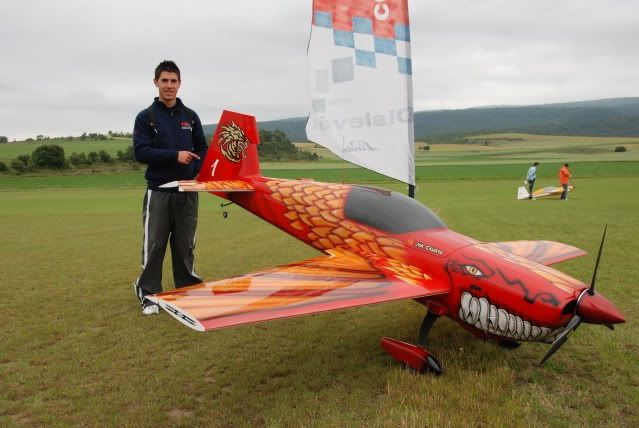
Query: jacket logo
[
  {"x": 186, "y": 125},
  {"x": 233, "y": 143}
]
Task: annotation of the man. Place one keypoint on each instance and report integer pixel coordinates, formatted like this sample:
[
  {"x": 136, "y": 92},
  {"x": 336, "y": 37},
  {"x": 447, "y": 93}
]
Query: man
[
  {"x": 168, "y": 137},
  {"x": 531, "y": 176},
  {"x": 564, "y": 179}
]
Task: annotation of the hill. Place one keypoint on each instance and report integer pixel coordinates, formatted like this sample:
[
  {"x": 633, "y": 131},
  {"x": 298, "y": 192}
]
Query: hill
[{"x": 618, "y": 117}]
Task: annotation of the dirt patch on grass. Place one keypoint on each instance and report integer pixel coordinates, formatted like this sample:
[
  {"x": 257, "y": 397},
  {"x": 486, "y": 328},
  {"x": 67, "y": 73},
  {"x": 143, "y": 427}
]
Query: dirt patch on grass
[{"x": 180, "y": 414}]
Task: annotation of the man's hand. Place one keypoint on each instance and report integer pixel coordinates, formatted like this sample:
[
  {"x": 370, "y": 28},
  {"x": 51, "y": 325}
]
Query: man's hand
[{"x": 185, "y": 157}]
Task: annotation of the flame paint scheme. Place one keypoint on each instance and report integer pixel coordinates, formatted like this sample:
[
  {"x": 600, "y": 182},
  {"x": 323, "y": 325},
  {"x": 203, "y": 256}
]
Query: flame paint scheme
[{"x": 379, "y": 246}]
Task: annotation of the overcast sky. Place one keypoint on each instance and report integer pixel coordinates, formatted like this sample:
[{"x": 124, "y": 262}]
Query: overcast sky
[{"x": 70, "y": 66}]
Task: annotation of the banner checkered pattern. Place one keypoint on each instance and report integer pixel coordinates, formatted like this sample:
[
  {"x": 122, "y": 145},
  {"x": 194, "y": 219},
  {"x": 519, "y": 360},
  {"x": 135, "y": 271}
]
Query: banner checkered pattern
[
  {"x": 367, "y": 44},
  {"x": 360, "y": 84}
]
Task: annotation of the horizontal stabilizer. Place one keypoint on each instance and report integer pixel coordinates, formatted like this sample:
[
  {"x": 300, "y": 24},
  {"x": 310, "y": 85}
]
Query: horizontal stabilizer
[
  {"x": 210, "y": 186},
  {"x": 339, "y": 280},
  {"x": 544, "y": 252}
]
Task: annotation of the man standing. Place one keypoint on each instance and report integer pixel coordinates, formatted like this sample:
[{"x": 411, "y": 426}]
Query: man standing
[
  {"x": 168, "y": 137},
  {"x": 564, "y": 178},
  {"x": 531, "y": 176}
]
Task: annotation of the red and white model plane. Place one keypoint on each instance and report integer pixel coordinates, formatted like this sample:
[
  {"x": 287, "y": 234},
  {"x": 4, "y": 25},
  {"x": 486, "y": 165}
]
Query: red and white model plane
[{"x": 379, "y": 246}]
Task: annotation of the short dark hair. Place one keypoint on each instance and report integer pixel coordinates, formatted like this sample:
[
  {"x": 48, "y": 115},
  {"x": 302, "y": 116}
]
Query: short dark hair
[
  {"x": 169, "y": 66},
  {"x": 566, "y": 164},
  {"x": 536, "y": 163}
]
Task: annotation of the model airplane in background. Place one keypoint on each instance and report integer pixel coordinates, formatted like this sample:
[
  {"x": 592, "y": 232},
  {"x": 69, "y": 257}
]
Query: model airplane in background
[
  {"x": 380, "y": 246},
  {"x": 522, "y": 192}
]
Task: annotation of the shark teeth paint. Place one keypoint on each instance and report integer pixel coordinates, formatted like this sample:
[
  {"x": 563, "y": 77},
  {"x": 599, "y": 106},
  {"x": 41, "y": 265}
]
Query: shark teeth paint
[{"x": 481, "y": 314}]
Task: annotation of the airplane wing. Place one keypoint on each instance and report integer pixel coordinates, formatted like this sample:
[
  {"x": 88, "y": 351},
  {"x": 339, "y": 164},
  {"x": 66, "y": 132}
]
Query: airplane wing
[
  {"x": 339, "y": 280},
  {"x": 544, "y": 252},
  {"x": 522, "y": 192},
  {"x": 210, "y": 186}
]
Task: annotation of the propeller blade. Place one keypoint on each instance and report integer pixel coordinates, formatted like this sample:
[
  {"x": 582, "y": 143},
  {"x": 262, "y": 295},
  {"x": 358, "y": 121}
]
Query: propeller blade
[
  {"x": 561, "y": 339},
  {"x": 591, "y": 290}
]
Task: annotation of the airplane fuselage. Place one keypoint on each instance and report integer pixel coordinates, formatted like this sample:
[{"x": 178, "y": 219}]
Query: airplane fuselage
[{"x": 494, "y": 293}]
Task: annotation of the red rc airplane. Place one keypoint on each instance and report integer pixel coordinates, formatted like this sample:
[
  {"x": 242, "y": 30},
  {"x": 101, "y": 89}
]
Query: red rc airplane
[{"x": 380, "y": 246}]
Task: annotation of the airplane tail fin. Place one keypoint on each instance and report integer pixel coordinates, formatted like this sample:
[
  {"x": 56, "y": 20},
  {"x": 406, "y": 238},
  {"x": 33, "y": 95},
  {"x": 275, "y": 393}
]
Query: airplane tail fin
[
  {"x": 522, "y": 193},
  {"x": 232, "y": 151},
  {"x": 231, "y": 159}
]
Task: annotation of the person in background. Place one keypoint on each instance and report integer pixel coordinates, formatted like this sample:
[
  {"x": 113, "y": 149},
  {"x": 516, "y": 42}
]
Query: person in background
[
  {"x": 169, "y": 138},
  {"x": 531, "y": 176},
  {"x": 564, "y": 179}
]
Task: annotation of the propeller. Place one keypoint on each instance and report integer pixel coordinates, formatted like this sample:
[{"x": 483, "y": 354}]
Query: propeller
[
  {"x": 576, "y": 318},
  {"x": 561, "y": 339},
  {"x": 591, "y": 290}
]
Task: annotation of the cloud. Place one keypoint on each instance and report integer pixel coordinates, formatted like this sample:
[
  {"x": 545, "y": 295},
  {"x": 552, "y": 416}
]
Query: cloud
[{"x": 71, "y": 66}]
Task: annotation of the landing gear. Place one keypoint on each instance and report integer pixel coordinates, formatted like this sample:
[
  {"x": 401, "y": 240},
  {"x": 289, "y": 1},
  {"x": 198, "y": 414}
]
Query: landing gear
[
  {"x": 424, "y": 330},
  {"x": 225, "y": 213},
  {"x": 416, "y": 357}
]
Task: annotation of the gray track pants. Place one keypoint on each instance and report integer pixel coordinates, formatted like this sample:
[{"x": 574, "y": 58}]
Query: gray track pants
[{"x": 168, "y": 217}]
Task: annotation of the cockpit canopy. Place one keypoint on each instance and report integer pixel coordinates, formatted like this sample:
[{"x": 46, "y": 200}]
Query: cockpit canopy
[{"x": 389, "y": 211}]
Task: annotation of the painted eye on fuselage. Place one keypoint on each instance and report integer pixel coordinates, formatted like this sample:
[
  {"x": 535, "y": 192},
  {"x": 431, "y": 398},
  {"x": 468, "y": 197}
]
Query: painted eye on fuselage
[{"x": 473, "y": 270}]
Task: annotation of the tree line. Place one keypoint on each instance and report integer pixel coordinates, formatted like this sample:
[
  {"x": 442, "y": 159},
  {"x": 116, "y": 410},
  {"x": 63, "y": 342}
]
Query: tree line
[
  {"x": 274, "y": 146},
  {"x": 92, "y": 136},
  {"x": 51, "y": 156}
]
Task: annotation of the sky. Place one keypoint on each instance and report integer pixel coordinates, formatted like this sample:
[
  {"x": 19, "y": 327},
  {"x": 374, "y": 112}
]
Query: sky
[{"x": 74, "y": 66}]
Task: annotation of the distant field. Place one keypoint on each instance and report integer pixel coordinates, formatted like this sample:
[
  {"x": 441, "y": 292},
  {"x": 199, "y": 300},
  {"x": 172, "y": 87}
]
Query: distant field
[
  {"x": 517, "y": 148},
  {"x": 75, "y": 350},
  {"x": 11, "y": 151},
  {"x": 340, "y": 172},
  {"x": 502, "y": 156},
  {"x": 526, "y": 148},
  {"x": 508, "y": 148}
]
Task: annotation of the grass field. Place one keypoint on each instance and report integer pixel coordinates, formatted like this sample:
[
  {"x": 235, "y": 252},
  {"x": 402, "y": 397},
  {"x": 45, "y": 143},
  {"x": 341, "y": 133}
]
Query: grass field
[
  {"x": 491, "y": 148},
  {"x": 76, "y": 350},
  {"x": 13, "y": 150},
  {"x": 337, "y": 172}
]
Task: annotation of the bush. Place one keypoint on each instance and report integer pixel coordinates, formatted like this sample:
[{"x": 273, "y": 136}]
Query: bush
[
  {"x": 21, "y": 163},
  {"x": 92, "y": 158},
  {"x": 105, "y": 157},
  {"x": 19, "y": 166},
  {"x": 620, "y": 149},
  {"x": 78, "y": 159},
  {"x": 127, "y": 156},
  {"x": 48, "y": 156},
  {"x": 3, "y": 167},
  {"x": 275, "y": 146}
]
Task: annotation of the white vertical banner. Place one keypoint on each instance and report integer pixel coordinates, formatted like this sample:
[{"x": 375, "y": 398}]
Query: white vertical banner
[{"x": 360, "y": 77}]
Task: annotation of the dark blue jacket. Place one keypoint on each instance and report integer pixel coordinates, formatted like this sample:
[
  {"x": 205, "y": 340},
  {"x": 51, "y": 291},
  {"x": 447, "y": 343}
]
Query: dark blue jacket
[{"x": 174, "y": 133}]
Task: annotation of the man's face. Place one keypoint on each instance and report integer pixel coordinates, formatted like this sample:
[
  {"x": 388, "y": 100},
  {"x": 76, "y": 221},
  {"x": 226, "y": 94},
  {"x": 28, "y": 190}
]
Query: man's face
[{"x": 168, "y": 85}]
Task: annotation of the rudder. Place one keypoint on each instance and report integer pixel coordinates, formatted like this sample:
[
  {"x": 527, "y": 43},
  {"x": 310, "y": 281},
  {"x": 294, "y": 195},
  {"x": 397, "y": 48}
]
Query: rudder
[
  {"x": 522, "y": 193},
  {"x": 232, "y": 153}
]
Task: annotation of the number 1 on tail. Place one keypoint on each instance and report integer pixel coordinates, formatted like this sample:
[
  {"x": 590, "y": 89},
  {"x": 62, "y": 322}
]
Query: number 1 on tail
[{"x": 214, "y": 166}]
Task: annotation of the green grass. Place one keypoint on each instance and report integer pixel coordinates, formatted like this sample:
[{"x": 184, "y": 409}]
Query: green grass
[
  {"x": 75, "y": 349},
  {"x": 508, "y": 148},
  {"x": 336, "y": 172},
  {"x": 11, "y": 151}
]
